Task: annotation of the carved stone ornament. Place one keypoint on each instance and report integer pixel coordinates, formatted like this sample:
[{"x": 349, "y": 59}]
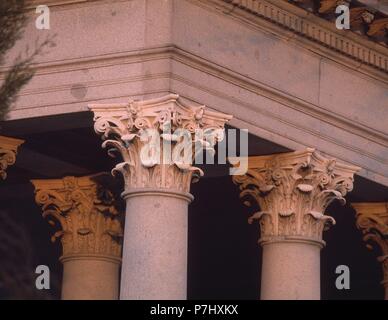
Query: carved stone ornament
[
  {"x": 86, "y": 214},
  {"x": 327, "y": 6},
  {"x": 8, "y": 151},
  {"x": 125, "y": 127},
  {"x": 372, "y": 220},
  {"x": 293, "y": 191}
]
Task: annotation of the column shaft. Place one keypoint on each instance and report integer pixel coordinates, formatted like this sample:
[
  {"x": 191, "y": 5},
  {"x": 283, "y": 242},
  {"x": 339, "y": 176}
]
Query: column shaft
[
  {"x": 290, "y": 271},
  {"x": 158, "y": 140},
  {"x": 155, "y": 247},
  {"x": 90, "y": 279}
]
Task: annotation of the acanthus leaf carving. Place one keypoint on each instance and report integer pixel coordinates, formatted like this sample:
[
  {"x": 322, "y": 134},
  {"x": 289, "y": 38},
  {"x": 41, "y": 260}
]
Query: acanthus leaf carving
[
  {"x": 143, "y": 132},
  {"x": 85, "y": 212},
  {"x": 372, "y": 220},
  {"x": 8, "y": 151},
  {"x": 293, "y": 191}
]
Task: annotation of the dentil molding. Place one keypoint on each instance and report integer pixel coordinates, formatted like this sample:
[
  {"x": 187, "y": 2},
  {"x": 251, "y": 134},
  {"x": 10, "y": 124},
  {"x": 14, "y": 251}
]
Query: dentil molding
[{"x": 305, "y": 24}]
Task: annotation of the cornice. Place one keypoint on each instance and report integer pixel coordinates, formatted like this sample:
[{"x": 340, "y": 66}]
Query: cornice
[
  {"x": 34, "y": 3},
  {"x": 181, "y": 56},
  {"x": 303, "y": 24},
  {"x": 290, "y": 21},
  {"x": 368, "y": 18}
]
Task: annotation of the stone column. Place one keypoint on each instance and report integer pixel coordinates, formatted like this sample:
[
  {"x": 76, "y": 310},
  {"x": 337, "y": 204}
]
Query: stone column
[
  {"x": 90, "y": 232},
  {"x": 151, "y": 137},
  {"x": 8, "y": 151},
  {"x": 293, "y": 191},
  {"x": 372, "y": 220}
]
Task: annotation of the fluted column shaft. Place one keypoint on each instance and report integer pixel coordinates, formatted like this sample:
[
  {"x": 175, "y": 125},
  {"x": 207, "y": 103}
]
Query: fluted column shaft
[
  {"x": 293, "y": 191},
  {"x": 90, "y": 232},
  {"x": 372, "y": 220},
  {"x": 157, "y": 140}
]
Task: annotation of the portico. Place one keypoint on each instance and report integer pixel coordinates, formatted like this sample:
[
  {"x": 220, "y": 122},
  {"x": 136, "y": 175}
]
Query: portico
[{"x": 312, "y": 98}]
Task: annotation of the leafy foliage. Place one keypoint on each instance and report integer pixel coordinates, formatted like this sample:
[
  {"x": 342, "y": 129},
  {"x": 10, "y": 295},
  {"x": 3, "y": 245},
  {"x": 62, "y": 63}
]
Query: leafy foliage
[{"x": 13, "y": 19}]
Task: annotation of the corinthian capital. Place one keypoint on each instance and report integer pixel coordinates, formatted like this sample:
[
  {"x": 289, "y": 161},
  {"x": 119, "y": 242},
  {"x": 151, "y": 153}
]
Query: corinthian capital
[
  {"x": 8, "y": 150},
  {"x": 153, "y": 137},
  {"x": 293, "y": 191},
  {"x": 372, "y": 220},
  {"x": 86, "y": 214}
]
